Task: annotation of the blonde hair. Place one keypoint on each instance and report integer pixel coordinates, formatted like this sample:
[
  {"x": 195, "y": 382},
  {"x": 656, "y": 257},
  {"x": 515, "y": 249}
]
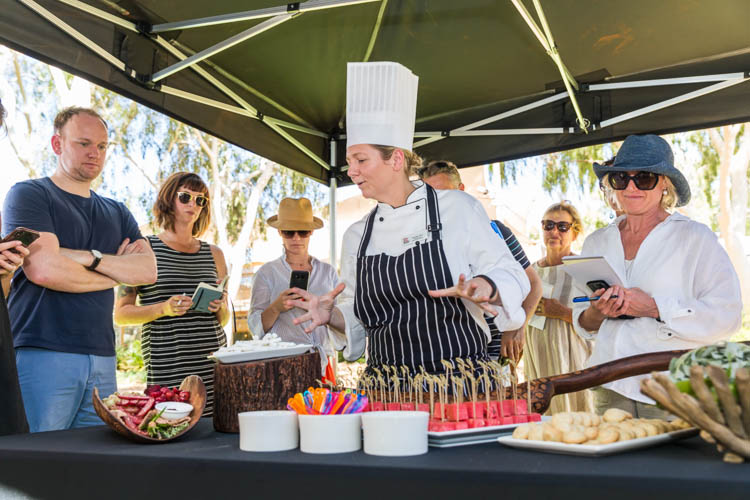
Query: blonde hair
[
  {"x": 668, "y": 199},
  {"x": 413, "y": 162},
  {"x": 566, "y": 206}
]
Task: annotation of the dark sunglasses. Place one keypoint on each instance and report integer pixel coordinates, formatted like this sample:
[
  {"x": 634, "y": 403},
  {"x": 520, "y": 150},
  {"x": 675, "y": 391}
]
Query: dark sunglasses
[
  {"x": 645, "y": 181},
  {"x": 290, "y": 234},
  {"x": 185, "y": 198},
  {"x": 562, "y": 226}
]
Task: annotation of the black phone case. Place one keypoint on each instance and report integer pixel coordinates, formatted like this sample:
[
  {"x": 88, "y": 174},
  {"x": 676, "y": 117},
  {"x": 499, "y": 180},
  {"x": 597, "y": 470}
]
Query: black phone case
[{"x": 299, "y": 279}]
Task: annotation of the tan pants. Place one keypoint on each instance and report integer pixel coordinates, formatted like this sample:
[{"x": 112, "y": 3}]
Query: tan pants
[{"x": 605, "y": 399}]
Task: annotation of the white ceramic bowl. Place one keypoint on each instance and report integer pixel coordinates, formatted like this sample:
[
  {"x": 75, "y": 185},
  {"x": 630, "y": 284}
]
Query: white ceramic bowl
[
  {"x": 395, "y": 433},
  {"x": 174, "y": 410},
  {"x": 268, "y": 430},
  {"x": 330, "y": 433}
]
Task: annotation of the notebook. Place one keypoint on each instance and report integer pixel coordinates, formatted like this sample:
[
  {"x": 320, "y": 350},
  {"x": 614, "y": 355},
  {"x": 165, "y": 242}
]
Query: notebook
[
  {"x": 584, "y": 269},
  {"x": 205, "y": 293}
]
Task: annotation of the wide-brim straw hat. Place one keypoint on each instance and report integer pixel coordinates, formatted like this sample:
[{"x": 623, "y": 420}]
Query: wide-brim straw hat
[
  {"x": 648, "y": 153},
  {"x": 295, "y": 215}
]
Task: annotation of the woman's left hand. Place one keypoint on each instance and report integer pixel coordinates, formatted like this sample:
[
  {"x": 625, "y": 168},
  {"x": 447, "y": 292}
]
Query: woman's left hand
[
  {"x": 552, "y": 308},
  {"x": 640, "y": 304},
  {"x": 216, "y": 305},
  {"x": 476, "y": 290}
]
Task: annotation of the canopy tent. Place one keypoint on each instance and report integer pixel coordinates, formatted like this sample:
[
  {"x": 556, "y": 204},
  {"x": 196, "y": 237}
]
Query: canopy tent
[{"x": 499, "y": 79}]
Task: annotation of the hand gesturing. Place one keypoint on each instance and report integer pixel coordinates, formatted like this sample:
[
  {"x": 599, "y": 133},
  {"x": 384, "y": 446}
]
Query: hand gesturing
[
  {"x": 476, "y": 290},
  {"x": 318, "y": 307}
]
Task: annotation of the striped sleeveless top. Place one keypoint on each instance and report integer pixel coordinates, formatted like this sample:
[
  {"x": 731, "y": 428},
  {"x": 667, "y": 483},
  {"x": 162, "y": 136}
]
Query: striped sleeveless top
[{"x": 175, "y": 347}]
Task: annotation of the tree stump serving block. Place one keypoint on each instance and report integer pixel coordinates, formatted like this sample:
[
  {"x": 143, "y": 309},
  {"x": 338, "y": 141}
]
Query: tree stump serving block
[{"x": 265, "y": 384}]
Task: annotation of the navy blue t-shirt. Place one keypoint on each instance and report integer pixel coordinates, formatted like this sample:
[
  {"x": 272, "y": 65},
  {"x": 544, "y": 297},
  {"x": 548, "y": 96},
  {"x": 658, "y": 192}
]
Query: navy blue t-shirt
[{"x": 68, "y": 322}]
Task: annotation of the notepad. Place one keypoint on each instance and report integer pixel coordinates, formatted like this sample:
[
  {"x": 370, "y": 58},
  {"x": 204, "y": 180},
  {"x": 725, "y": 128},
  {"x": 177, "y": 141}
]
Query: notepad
[
  {"x": 205, "y": 293},
  {"x": 584, "y": 269}
]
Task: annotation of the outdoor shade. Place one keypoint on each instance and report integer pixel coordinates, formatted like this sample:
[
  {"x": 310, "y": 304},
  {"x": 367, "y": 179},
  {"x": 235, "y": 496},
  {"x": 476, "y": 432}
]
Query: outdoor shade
[{"x": 273, "y": 81}]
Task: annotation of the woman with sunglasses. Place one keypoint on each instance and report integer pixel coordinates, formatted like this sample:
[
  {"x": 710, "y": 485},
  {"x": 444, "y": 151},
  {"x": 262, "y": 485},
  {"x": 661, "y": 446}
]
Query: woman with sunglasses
[
  {"x": 177, "y": 340},
  {"x": 269, "y": 308},
  {"x": 679, "y": 287},
  {"x": 552, "y": 345}
]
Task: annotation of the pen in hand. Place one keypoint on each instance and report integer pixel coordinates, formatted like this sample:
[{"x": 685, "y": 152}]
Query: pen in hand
[{"x": 589, "y": 299}]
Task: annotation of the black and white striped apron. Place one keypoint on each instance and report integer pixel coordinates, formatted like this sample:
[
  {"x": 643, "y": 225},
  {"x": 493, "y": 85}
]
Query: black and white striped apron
[{"x": 405, "y": 326}]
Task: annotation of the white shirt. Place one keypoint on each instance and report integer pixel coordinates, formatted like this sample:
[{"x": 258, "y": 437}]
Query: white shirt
[
  {"x": 689, "y": 275},
  {"x": 471, "y": 247},
  {"x": 273, "y": 278}
]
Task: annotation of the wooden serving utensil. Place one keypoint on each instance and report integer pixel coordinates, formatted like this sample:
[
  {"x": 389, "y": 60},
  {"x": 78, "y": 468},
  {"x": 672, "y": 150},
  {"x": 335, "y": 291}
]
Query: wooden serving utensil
[
  {"x": 192, "y": 383},
  {"x": 543, "y": 389}
]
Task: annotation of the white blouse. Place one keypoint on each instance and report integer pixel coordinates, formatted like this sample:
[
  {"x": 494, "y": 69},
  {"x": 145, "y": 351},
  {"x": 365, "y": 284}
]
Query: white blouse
[
  {"x": 684, "y": 268},
  {"x": 273, "y": 278},
  {"x": 470, "y": 244}
]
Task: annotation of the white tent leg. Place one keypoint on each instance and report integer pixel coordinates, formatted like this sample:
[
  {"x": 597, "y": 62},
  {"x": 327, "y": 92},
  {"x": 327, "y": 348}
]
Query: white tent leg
[{"x": 332, "y": 207}]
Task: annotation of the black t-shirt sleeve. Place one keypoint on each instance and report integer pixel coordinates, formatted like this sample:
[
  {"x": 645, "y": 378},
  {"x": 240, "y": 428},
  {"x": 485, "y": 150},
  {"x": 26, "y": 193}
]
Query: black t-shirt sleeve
[{"x": 513, "y": 245}]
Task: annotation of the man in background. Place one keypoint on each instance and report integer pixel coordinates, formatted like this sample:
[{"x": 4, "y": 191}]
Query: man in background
[
  {"x": 61, "y": 300},
  {"x": 444, "y": 175}
]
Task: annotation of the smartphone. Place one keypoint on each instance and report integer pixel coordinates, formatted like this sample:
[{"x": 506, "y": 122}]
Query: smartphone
[
  {"x": 22, "y": 234},
  {"x": 595, "y": 285},
  {"x": 299, "y": 279}
]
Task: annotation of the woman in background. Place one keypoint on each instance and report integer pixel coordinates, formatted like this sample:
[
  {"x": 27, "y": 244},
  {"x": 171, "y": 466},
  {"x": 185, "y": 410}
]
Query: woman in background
[
  {"x": 552, "y": 345},
  {"x": 177, "y": 339}
]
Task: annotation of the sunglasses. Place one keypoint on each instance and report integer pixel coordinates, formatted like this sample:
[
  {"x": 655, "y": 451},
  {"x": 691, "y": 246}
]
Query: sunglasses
[
  {"x": 645, "y": 181},
  {"x": 290, "y": 234},
  {"x": 562, "y": 226},
  {"x": 185, "y": 198}
]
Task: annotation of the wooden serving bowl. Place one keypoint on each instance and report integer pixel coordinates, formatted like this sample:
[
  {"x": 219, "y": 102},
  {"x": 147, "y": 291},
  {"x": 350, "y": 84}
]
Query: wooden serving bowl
[{"x": 193, "y": 383}]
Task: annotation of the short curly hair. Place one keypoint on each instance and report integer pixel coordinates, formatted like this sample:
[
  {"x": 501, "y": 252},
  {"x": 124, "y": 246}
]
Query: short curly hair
[
  {"x": 164, "y": 204},
  {"x": 65, "y": 115},
  {"x": 446, "y": 167}
]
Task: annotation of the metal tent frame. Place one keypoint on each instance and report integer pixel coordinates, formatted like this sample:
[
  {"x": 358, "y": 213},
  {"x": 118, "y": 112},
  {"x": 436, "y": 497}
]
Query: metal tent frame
[{"x": 276, "y": 16}]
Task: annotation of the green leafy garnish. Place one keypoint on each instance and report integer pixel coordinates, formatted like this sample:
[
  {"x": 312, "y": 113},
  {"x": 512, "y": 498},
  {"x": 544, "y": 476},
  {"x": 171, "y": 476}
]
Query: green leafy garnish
[{"x": 730, "y": 356}]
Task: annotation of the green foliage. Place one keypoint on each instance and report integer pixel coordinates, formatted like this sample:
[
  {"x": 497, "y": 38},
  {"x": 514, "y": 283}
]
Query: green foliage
[
  {"x": 130, "y": 357},
  {"x": 563, "y": 169},
  {"x": 709, "y": 160}
]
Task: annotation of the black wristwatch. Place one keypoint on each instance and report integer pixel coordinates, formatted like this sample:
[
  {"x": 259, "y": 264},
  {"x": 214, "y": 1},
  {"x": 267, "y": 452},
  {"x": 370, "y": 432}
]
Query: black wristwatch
[
  {"x": 97, "y": 259},
  {"x": 493, "y": 286}
]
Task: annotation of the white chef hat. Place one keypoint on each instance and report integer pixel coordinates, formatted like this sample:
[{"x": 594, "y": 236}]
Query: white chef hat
[{"x": 381, "y": 104}]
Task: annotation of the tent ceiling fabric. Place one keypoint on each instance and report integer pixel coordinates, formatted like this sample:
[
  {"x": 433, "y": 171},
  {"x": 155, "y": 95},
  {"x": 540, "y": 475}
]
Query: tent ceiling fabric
[{"x": 475, "y": 59}]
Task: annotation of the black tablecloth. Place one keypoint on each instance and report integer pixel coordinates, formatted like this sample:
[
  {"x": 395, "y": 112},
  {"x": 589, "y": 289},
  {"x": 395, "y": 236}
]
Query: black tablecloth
[{"x": 97, "y": 463}]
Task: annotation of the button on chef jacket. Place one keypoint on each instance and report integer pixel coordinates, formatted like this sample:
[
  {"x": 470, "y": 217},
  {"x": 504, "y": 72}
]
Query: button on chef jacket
[{"x": 471, "y": 247}]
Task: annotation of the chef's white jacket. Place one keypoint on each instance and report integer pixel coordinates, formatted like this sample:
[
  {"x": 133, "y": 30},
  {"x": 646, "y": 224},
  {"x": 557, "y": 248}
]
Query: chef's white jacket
[
  {"x": 471, "y": 247},
  {"x": 684, "y": 268}
]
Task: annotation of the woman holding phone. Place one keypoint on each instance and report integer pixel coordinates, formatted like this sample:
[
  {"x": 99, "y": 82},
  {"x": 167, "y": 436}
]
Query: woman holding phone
[
  {"x": 176, "y": 338},
  {"x": 272, "y": 288},
  {"x": 12, "y": 413}
]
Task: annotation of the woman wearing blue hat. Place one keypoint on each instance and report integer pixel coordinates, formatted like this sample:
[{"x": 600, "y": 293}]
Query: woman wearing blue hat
[{"x": 679, "y": 286}]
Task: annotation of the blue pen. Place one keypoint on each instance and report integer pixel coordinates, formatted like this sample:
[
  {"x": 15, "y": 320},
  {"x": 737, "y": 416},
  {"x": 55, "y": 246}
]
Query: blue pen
[{"x": 589, "y": 299}]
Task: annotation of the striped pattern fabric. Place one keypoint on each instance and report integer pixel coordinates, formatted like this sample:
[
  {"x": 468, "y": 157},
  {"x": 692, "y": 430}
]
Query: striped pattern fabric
[
  {"x": 175, "y": 347},
  {"x": 493, "y": 349},
  {"x": 405, "y": 326}
]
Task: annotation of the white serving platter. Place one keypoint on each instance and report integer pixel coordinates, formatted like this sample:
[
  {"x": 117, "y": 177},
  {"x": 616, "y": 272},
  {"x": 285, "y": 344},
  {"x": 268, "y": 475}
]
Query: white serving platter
[
  {"x": 464, "y": 437},
  {"x": 244, "y": 356},
  {"x": 596, "y": 450}
]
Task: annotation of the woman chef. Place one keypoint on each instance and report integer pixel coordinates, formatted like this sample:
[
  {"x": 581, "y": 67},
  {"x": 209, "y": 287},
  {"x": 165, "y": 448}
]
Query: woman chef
[{"x": 418, "y": 271}]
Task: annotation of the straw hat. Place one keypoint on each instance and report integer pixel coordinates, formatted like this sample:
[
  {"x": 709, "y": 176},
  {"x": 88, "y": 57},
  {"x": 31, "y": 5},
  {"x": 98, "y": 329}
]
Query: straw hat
[{"x": 295, "y": 215}]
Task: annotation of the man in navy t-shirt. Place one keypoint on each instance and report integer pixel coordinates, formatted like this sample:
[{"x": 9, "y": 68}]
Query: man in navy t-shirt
[
  {"x": 444, "y": 175},
  {"x": 61, "y": 300}
]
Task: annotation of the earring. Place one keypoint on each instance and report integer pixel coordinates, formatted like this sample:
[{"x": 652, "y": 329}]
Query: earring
[{"x": 664, "y": 193}]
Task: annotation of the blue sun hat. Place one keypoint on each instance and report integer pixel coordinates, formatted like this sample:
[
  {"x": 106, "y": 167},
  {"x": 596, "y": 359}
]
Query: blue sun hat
[{"x": 648, "y": 153}]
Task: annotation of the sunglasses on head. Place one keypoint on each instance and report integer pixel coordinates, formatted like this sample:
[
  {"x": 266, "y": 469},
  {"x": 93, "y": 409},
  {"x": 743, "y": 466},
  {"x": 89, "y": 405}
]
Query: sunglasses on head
[
  {"x": 290, "y": 234},
  {"x": 645, "y": 181},
  {"x": 562, "y": 226},
  {"x": 185, "y": 198}
]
